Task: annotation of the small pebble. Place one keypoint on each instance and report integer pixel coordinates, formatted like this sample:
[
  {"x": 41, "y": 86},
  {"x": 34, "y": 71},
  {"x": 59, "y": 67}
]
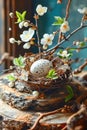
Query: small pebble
[
  {"x": 11, "y": 84},
  {"x": 35, "y": 93}
]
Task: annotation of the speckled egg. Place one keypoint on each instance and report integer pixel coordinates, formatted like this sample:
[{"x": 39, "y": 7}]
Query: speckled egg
[{"x": 41, "y": 67}]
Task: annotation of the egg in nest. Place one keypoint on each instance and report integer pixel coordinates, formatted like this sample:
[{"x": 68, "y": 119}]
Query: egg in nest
[{"x": 41, "y": 67}]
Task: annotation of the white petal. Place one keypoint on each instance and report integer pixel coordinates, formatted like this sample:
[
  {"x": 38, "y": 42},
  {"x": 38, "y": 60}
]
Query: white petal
[
  {"x": 45, "y": 9},
  {"x": 31, "y": 31},
  {"x": 21, "y": 24},
  {"x": 38, "y": 7},
  {"x": 83, "y": 11},
  {"x": 51, "y": 36},
  {"x": 49, "y": 43},
  {"x": 46, "y": 35},
  {"x": 26, "y": 46},
  {"x": 27, "y": 35},
  {"x": 43, "y": 41}
]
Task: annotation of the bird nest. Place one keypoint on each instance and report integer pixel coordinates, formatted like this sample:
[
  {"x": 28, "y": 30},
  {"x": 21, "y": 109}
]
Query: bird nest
[{"x": 63, "y": 72}]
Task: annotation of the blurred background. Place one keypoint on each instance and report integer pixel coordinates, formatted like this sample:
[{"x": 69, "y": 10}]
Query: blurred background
[{"x": 45, "y": 24}]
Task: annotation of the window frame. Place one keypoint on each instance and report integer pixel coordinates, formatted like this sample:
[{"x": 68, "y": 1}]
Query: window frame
[{"x": 12, "y": 6}]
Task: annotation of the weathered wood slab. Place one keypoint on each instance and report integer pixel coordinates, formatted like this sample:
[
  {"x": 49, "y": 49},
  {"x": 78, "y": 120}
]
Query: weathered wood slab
[
  {"x": 15, "y": 119},
  {"x": 51, "y": 99}
]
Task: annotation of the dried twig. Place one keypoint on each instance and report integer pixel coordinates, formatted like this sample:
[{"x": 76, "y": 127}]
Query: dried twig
[
  {"x": 43, "y": 115},
  {"x": 72, "y": 122},
  {"x": 67, "y": 9},
  {"x": 6, "y": 56},
  {"x": 80, "y": 68},
  {"x": 37, "y": 33},
  {"x": 64, "y": 128}
]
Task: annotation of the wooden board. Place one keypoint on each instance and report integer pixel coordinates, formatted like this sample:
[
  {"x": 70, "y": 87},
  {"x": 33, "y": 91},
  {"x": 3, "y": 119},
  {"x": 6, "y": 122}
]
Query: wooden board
[{"x": 14, "y": 119}]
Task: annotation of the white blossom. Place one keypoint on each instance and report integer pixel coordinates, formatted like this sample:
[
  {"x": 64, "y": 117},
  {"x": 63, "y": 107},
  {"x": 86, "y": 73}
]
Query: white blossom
[
  {"x": 24, "y": 75},
  {"x": 12, "y": 40},
  {"x": 65, "y": 27},
  {"x": 26, "y": 45},
  {"x": 47, "y": 39},
  {"x": 64, "y": 54},
  {"x": 27, "y": 35},
  {"x": 41, "y": 10},
  {"x": 83, "y": 10},
  {"x": 21, "y": 24}
]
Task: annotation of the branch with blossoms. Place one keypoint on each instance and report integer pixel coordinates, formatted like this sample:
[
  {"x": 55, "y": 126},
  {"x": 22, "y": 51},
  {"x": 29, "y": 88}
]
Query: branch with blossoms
[{"x": 27, "y": 36}]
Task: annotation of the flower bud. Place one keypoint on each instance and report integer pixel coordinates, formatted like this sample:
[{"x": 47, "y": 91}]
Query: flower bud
[
  {"x": 19, "y": 42},
  {"x": 10, "y": 29},
  {"x": 26, "y": 24},
  {"x": 11, "y": 14},
  {"x": 21, "y": 24},
  {"x": 12, "y": 40}
]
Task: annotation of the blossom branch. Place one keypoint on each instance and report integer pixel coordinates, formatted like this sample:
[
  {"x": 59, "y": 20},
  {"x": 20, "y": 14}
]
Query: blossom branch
[
  {"x": 76, "y": 48},
  {"x": 37, "y": 33},
  {"x": 4, "y": 57},
  {"x": 66, "y": 17},
  {"x": 80, "y": 68},
  {"x": 71, "y": 34},
  {"x": 67, "y": 9}
]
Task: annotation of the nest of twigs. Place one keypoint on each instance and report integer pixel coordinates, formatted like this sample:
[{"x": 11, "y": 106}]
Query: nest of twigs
[{"x": 40, "y": 83}]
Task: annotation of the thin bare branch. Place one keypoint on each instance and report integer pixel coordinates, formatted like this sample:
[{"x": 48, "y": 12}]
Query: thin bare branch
[
  {"x": 67, "y": 9},
  {"x": 71, "y": 34},
  {"x": 43, "y": 115},
  {"x": 66, "y": 17},
  {"x": 81, "y": 68},
  {"x": 37, "y": 33}
]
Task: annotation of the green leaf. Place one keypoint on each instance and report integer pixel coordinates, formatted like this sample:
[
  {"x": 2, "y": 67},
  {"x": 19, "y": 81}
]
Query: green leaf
[
  {"x": 52, "y": 74},
  {"x": 20, "y": 17},
  {"x": 58, "y": 20},
  {"x": 70, "y": 93},
  {"x": 71, "y": 49},
  {"x": 11, "y": 78},
  {"x": 23, "y": 15},
  {"x": 19, "y": 61},
  {"x": 82, "y": 44}
]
